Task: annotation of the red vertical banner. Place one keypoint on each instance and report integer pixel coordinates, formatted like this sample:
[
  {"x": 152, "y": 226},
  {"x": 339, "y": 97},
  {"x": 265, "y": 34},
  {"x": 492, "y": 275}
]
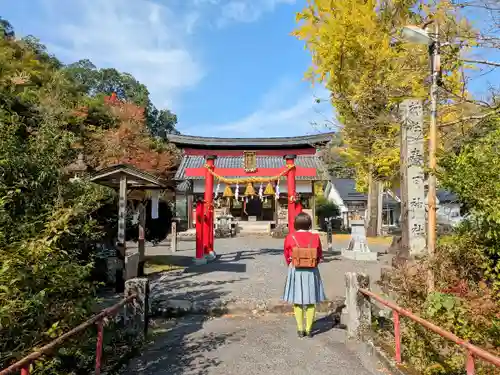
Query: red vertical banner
[
  {"x": 199, "y": 229},
  {"x": 290, "y": 179},
  {"x": 208, "y": 226}
]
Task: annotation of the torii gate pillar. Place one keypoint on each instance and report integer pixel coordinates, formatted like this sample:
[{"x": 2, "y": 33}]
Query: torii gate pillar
[
  {"x": 208, "y": 222},
  {"x": 290, "y": 179}
]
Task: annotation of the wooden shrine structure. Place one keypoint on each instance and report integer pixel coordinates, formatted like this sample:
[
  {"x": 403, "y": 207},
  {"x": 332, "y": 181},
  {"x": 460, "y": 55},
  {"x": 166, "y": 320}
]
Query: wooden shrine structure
[
  {"x": 130, "y": 183},
  {"x": 241, "y": 177}
]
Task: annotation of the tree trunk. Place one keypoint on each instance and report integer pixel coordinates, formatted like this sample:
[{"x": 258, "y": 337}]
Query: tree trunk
[{"x": 373, "y": 208}]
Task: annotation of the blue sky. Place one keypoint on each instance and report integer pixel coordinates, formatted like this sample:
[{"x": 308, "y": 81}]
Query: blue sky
[{"x": 225, "y": 67}]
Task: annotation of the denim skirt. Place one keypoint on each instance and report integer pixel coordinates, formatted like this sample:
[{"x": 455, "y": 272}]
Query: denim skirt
[{"x": 304, "y": 286}]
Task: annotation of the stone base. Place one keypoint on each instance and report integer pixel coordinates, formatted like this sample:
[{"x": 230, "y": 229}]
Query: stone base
[
  {"x": 207, "y": 258},
  {"x": 211, "y": 256},
  {"x": 200, "y": 261},
  {"x": 358, "y": 255}
]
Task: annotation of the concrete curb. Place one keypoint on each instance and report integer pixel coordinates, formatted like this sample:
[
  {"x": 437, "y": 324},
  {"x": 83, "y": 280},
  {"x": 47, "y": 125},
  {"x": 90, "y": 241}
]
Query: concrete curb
[
  {"x": 176, "y": 308},
  {"x": 336, "y": 237}
]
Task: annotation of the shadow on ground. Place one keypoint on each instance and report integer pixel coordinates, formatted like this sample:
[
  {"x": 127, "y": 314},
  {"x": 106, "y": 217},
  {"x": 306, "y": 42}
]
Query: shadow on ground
[
  {"x": 174, "y": 348},
  {"x": 173, "y": 352}
]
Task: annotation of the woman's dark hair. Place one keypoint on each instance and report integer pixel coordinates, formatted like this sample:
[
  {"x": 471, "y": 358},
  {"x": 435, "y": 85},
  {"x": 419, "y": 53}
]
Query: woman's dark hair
[{"x": 302, "y": 222}]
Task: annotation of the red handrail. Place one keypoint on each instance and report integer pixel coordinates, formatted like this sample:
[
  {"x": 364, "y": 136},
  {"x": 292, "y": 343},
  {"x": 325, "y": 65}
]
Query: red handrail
[
  {"x": 24, "y": 364},
  {"x": 472, "y": 350}
]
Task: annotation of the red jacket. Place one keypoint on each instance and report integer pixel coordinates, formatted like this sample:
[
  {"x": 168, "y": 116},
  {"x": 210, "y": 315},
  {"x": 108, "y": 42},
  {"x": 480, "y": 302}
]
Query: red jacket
[{"x": 303, "y": 239}]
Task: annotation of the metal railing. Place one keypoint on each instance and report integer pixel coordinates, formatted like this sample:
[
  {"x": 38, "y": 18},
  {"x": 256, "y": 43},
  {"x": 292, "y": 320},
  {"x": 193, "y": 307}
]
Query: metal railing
[
  {"x": 472, "y": 350},
  {"x": 24, "y": 364}
]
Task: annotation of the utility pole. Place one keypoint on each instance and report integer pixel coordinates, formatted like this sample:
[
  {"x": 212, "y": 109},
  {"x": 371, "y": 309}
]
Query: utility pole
[{"x": 431, "y": 193}]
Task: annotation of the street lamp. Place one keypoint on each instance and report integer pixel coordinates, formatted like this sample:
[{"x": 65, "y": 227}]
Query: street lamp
[{"x": 417, "y": 35}]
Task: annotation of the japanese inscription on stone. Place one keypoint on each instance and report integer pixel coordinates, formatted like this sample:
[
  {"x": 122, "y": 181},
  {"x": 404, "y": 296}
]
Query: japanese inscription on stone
[{"x": 415, "y": 210}]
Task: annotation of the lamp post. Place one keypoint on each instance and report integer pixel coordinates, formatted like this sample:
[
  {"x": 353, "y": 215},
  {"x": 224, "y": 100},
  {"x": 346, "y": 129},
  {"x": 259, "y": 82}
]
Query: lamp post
[{"x": 417, "y": 35}]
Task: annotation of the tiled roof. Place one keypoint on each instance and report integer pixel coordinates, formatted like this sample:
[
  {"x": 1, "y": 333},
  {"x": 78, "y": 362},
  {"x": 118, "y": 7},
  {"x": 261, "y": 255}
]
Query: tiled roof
[
  {"x": 210, "y": 142},
  {"x": 445, "y": 196},
  {"x": 183, "y": 186},
  {"x": 346, "y": 188},
  {"x": 191, "y": 161}
]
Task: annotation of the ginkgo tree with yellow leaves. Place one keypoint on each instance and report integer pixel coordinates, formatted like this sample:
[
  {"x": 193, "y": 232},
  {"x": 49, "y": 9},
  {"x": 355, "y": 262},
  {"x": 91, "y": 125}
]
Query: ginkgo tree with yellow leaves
[{"x": 357, "y": 54}]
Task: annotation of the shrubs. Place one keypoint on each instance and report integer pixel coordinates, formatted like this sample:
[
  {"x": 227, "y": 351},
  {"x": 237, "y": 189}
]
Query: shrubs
[
  {"x": 466, "y": 267},
  {"x": 324, "y": 209},
  {"x": 463, "y": 303}
]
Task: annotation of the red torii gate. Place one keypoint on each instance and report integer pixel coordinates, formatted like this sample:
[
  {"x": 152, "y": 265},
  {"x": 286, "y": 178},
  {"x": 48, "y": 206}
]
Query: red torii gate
[{"x": 205, "y": 207}]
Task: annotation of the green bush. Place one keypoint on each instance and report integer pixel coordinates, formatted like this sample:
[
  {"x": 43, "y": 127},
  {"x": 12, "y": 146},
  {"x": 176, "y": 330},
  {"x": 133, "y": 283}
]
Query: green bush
[
  {"x": 466, "y": 266},
  {"x": 326, "y": 208}
]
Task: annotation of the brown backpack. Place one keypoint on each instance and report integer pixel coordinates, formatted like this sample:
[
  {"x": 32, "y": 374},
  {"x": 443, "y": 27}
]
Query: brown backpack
[{"x": 304, "y": 257}]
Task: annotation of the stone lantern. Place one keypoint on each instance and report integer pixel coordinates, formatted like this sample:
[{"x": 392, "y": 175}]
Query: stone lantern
[{"x": 77, "y": 168}]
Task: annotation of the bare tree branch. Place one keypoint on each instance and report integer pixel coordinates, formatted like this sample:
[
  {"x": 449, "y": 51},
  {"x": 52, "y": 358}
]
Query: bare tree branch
[
  {"x": 484, "y": 62},
  {"x": 469, "y": 118}
]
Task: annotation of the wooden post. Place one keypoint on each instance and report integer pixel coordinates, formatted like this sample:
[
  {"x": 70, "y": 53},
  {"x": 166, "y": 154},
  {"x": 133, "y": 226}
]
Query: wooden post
[
  {"x": 357, "y": 305},
  {"x": 121, "y": 246},
  {"x": 173, "y": 237},
  {"x": 142, "y": 241},
  {"x": 276, "y": 206},
  {"x": 190, "y": 209}
]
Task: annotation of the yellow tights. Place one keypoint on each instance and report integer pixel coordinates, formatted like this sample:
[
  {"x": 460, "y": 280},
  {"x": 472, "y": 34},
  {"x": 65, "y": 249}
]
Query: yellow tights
[{"x": 308, "y": 311}]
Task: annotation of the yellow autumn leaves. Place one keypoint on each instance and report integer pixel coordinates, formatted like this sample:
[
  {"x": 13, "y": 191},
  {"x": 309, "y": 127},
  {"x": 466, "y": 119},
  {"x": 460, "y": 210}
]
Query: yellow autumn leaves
[{"x": 358, "y": 55}]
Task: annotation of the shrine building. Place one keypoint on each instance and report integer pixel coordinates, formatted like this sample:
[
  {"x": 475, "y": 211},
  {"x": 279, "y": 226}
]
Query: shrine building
[{"x": 249, "y": 175}]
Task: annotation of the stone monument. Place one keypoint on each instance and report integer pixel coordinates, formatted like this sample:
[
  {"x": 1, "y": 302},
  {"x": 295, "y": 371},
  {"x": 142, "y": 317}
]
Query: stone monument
[
  {"x": 358, "y": 248},
  {"x": 413, "y": 202}
]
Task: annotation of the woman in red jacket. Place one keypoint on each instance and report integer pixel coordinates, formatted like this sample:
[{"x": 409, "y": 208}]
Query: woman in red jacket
[{"x": 303, "y": 288}]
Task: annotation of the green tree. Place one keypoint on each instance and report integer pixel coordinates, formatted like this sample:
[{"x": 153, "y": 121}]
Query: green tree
[
  {"x": 94, "y": 81},
  {"x": 161, "y": 122},
  {"x": 6, "y": 29},
  {"x": 40, "y": 50},
  {"x": 46, "y": 223},
  {"x": 472, "y": 173}
]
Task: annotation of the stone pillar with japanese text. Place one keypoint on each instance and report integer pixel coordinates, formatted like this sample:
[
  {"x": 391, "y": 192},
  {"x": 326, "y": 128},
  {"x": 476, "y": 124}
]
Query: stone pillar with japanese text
[{"x": 413, "y": 207}]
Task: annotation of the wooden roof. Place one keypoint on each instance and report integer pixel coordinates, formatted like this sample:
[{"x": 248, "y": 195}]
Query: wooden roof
[
  {"x": 273, "y": 142},
  {"x": 136, "y": 178}
]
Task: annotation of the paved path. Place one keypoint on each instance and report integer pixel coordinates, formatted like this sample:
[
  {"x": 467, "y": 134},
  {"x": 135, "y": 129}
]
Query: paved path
[
  {"x": 249, "y": 274},
  {"x": 249, "y": 346}
]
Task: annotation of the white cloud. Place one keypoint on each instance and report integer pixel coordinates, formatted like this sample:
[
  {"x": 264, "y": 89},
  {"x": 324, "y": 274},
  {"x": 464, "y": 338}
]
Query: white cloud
[
  {"x": 275, "y": 117},
  {"x": 247, "y": 10},
  {"x": 227, "y": 12},
  {"x": 144, "y": 38}
]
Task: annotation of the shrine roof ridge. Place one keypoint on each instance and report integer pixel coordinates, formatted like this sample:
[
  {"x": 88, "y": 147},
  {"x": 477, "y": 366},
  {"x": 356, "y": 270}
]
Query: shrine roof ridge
[
  {"x": 232, "y": 162},
  {"x": 190, "y": 140}
]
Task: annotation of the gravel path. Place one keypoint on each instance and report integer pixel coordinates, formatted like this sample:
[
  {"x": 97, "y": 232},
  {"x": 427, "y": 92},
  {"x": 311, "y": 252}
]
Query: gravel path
[
  {"x": 249, "y": 273},
  {"x": 249, "y": 346}
]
